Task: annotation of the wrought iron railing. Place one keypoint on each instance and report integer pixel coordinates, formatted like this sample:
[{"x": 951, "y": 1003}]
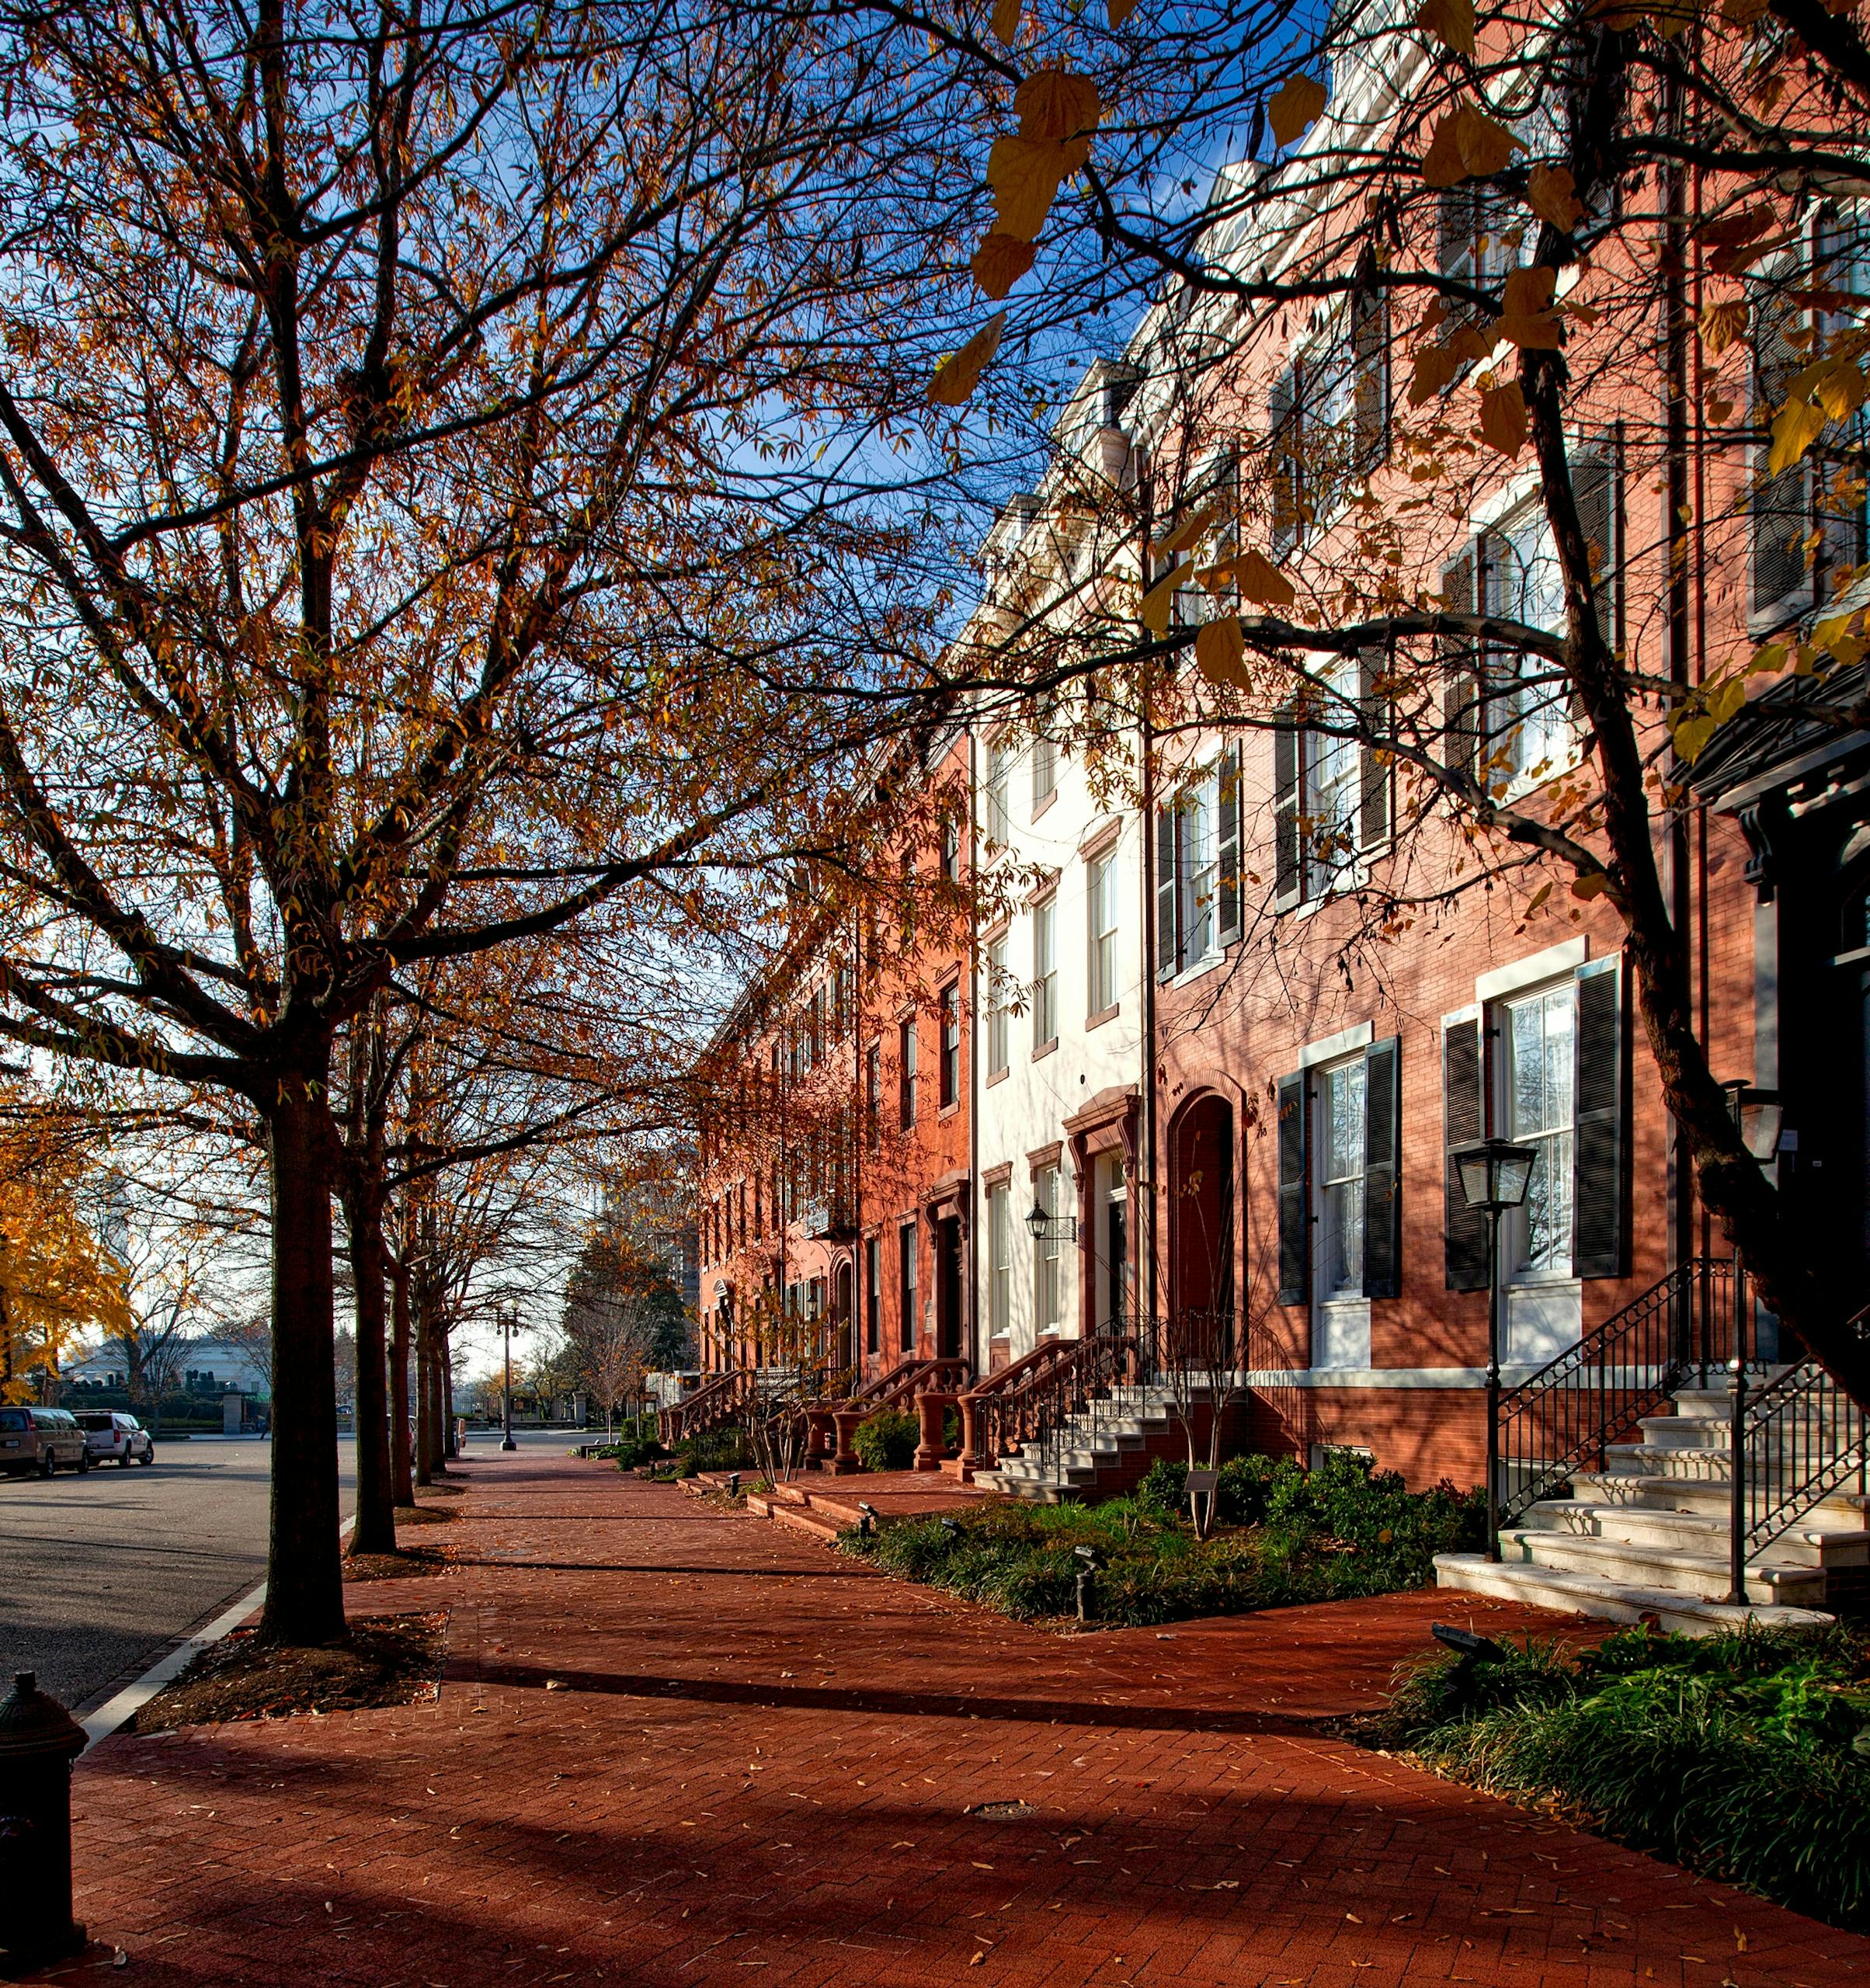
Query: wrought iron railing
[
  {"x": 1061, "y": 1397},
  {"x": 1796, "y": 1440},
  {"x": 898, "y": 1386},
  {"x": 1564, "y": 1418},
  {"x": 715, "y": 1403}
]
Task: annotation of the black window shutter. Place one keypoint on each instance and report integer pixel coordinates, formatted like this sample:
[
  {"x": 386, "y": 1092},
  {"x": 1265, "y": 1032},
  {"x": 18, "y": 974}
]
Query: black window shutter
[
  {"x": 1464, "y": 1117},
  {"x": 1295, "y": 1226},
  {"x": 1288, "y": 872},
  {"x": 1283, "y": 427},
  {"x": 1370, "y": 387},
  {"x": 1459, "y": 661},
  {"x": 1601, "y": 1192},
  {"x": 1168, "y": 935},
  {"x": 1781, "y": 504},
  {"x": 1374, "y": 707},
  {"x": 1383, "y": 1169},
  {"x": 1596, "y": 484},
  {"x": 1228, "y": 780}
]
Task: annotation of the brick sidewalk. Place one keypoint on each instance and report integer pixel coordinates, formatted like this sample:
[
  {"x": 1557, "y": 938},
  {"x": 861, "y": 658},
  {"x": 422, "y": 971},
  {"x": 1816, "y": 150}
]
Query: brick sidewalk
[{"x": 755, "y": 1766}]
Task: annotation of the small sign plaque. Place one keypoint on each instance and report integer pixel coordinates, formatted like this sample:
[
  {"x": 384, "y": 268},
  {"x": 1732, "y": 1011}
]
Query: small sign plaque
[{"x": 1204, "y": 1480}]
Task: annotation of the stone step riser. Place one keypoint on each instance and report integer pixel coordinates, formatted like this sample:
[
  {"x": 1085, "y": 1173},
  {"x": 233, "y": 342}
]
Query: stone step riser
[
  {"x": 1548, "y": 1588},
  {"x": 1805, "y": 1544},
  {"x": 1700, "y": 1576},
  {"x": 1841, "y": 1512}
]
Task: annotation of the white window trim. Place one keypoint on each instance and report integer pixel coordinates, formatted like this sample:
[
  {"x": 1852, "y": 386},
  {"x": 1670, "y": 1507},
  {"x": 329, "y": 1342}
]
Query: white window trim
[{"x": 1523, "y": 975}]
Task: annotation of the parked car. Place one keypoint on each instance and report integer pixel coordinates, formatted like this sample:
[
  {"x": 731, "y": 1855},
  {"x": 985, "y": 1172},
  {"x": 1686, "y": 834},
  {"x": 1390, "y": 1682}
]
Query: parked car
[
  {"x": 41, "y": 1439},
  {"x": 111, "y": 1433}
]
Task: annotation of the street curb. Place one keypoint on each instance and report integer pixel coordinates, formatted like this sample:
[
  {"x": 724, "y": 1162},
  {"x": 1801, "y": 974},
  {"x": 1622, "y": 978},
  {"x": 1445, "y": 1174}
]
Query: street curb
[{"x": 116, "y": 1711}]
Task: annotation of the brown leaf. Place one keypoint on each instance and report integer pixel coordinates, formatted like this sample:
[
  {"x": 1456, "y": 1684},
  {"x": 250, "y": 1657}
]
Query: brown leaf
[
  {"x": 1294, "y": 107},
  {"x": 1723, "y": 323},
  {"x": 1552, "y": 195},
  {"x": 1467, "y": 145},
  {"x": 1450, "y": 22},
  {"x": 999, "y": 263},
  {"x": 1007, "y": 19},
  {"x": 1503, "y": 419},
  {"x": 1121, "y": 11},
  {"x": 1220, "y": 652},
  {"x": 1259, "y": 579},
  {"x": 1540, "y": 332},
  {"x": 1191, "y": 530},
  {"x": 1053, "y": 103},
  {"x": 1025, "y": 175},
  {"x": 1436, "y": 369},
  {"x": 958, "y": 375},
  {"x": 1592, "y": 886},
  {"x": 1159, "y": 601},
  {"x": 1530, "y": 291}
]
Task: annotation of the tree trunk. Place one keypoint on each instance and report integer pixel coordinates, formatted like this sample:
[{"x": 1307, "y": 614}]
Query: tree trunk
[
  {"x": 401, "y": 1462},
  {"x": 304, "y": 1575},
  {"x": 375, "y": 1527}
]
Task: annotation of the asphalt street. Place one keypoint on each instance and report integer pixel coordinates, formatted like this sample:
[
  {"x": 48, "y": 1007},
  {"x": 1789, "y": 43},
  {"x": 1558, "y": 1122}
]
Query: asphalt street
[{"x": 100, "y": 1574}]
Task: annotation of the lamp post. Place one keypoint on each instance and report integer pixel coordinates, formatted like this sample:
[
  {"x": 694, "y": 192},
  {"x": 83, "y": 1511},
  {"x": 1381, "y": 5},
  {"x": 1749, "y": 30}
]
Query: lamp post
[
  {"x": 508, "y": 1322},
  {"x": 1759, "y": 1117},
  {"x": 1495, "y": 1174}
]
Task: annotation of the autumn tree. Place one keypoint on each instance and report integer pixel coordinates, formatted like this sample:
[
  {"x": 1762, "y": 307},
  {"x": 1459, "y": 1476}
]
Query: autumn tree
[
  {"x": 1448, "y": 248},
  {"x": 431, "y": 511}
]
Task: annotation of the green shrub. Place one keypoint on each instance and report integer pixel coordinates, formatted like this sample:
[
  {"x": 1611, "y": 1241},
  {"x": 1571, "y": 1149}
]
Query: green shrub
[
  {"x": 887, "y": 1439},
  {"x": 1744, "y": 1757},
  {"x": 1342, "y": 1530}
]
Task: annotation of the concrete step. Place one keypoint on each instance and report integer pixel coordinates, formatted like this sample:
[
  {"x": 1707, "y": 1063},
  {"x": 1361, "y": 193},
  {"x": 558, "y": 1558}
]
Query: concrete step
[
  {"x": 1666, "y": 1570},
  {"x": 1034, "y": 1491},
  {"x": 1614, "y": 1601},
  {"x": 1841, "y": 1512},
  {"x": 1811, "y": 1543},
  {"x": 799, "y": 1518}
]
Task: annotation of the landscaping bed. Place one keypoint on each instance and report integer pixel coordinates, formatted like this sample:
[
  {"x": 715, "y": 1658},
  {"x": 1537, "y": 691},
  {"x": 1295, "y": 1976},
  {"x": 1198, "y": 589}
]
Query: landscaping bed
[
  {"x": 385, "y": 1661},
  {"x": 406, "y": 1563},
  {"x": 1744, "y": 1757},
  {"x": 1285, "y": 1535}
]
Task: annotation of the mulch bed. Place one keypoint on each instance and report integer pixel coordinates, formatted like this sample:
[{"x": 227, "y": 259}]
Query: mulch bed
[
  {"x": 406, "y": 1563},
  {"x": 388, "y": 1660},
  {"x": 424, "y": 1515}
]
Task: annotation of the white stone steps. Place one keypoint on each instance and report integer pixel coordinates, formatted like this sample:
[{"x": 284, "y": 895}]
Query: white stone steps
[
  {"x": 1611, "y": 1600},
  {"x": 1668, "y": 1570}
]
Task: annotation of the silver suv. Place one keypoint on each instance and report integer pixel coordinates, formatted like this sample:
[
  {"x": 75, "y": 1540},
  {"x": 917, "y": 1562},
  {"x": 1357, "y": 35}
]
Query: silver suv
[{"x": 110, "y": 1432}]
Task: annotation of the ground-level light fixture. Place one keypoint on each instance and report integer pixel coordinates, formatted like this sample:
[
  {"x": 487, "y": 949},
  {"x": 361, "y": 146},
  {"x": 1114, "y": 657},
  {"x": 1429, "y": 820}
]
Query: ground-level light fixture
[{"x": 1495, "y": 1175}]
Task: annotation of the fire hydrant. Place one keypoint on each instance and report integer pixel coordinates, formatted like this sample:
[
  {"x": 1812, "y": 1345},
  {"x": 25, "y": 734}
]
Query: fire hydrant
[{"x": 39, "y": 1740}]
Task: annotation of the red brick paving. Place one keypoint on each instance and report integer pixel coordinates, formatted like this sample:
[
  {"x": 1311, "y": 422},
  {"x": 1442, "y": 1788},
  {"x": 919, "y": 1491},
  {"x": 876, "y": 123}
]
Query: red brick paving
[{"x": 754, "y": 1769}]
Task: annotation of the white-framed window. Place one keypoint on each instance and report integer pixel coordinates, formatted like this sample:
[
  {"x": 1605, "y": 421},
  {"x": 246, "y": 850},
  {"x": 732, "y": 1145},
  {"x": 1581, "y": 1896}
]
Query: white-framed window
[
  {"x": 1538, "y": 1060},
  {"x": 906, "y": 1285},
  {"x": 1049, "y": 1281},
  {"x": 1529, "y": 734},
  {"x": 1333, "y": 776},
  {"x": 1198, "y": 869},
  {"x": 1044, "y": 771},
  {"x": 1000, "y": 1260},
  {"x": 999, "y": 994},
  {"x": 1045, "y": 972},
  {"x": 997, "y": 792},
  {"x": 1100, "y": 900},
  {"x": 1343, "y": 1117},
  {"x": 905, "y": 1073}
]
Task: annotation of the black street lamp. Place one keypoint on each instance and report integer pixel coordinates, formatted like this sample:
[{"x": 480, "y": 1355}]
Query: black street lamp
[
  {"x": 1045, "y": 1228},
  {"x": 1495, "y": 1174},
  {"x": 509, "y": 1324}
]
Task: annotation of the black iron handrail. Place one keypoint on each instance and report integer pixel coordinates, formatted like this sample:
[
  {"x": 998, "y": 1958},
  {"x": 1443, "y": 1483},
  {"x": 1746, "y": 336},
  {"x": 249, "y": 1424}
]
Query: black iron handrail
[
  {"x": 1064, "y": 1390},
  {"x": 1565, "y": 1417},
  {"x": 1795, "y": 1441}
]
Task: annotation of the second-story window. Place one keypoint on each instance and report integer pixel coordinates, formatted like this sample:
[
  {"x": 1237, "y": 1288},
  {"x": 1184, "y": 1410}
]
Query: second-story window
[
  {"x": 905, "y": 1073},
  {"x": 950, "y": 1045},
  {"x": 996, "y": 821},
  {"x": 1000, "y": 995},
  {"x": 1044, "y": 772},
  {"x": 950, "y": 851},
  {"x": 1198, "y": 869},
  {"x": 1045, "y": 973},
  {"x": 1100, "y": 898},
  {"x": 873, "y": 1095}
]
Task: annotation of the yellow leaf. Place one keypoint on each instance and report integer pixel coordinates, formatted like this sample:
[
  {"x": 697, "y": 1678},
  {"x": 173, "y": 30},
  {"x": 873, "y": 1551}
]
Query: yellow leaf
[
  {"x": 1450, "y": 22},
  {"x": 1503, "y": 419},
  {"x": 1025, "y": 175},
  {"x": 1007, "y": 19},
  {"x": 1796, "y": 426},
  {"x": 1723, "y": 323},
  {"x": 1467, "y": 144},
  {"x": 1552, "y": 195},
  {"x": 1538, "y": 899},
  {"x": 1160, "y": 599},
  {"x": 1540, "y": 333},
  {"x": 1220, "y": 652},
  {"x": 1191, "y": 530},
  {"x": 1259, "y": 579},
  {"x": 1592, "y": 886},
  {"x": 958, "y": 375},
  {"x": 1436, "y": 368},
  {"x": 1529, "y": 290},
  {"x": 1837, "y": 384},
  {"x": 1053, "y": 103},
  {"x": 999, "y": 263},
  {"x": 1727, "y": 697},
  {"x": 1294, "y": 107}
]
